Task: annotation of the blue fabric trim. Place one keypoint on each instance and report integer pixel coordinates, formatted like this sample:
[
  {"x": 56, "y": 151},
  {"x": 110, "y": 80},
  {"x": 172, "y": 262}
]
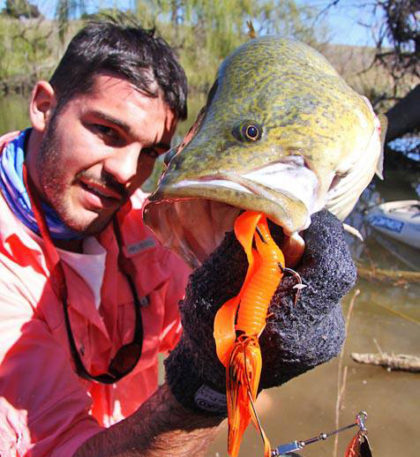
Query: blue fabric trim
[{"x": 14, "y": 191}]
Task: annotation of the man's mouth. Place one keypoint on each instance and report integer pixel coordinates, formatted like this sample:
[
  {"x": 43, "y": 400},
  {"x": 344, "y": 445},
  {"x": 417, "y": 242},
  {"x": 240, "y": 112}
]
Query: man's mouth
[{"x": 100, "y": 196}]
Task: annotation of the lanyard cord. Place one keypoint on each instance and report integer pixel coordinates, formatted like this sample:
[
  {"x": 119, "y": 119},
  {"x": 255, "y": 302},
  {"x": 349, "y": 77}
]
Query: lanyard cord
[
  {"x": 58, "y": 282},
  {"x": 51, "y": 255}
]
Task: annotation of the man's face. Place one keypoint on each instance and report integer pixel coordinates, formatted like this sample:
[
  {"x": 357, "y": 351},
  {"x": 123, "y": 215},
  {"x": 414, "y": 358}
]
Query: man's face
[{"x": 98, "y": 149}]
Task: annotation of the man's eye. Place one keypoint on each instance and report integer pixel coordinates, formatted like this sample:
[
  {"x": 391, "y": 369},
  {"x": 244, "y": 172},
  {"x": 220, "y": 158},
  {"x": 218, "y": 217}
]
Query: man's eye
[{"x": 106, "y": 131}]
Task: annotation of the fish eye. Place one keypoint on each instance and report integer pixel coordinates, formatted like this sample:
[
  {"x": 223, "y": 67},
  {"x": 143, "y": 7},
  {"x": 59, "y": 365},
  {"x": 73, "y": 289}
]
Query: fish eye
[
  {"x": 248, "y": 131},
  {"x": 169, "y": 156},
  {"x": 251, "y": 132}
]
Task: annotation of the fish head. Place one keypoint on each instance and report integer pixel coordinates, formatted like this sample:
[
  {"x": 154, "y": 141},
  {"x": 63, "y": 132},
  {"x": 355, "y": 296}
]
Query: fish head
[{"x": 281, "y": 133}]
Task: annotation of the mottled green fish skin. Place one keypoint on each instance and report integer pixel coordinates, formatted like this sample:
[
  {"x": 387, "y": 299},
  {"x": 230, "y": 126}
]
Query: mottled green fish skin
[{"x": 304, "y": 107}]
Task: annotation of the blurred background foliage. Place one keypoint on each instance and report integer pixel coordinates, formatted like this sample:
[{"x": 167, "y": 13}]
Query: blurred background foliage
[{"x": 204, "y": 32}]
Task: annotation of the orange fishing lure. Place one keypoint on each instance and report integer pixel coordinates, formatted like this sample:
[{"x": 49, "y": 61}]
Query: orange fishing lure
[{"x": 241, "y": 320}]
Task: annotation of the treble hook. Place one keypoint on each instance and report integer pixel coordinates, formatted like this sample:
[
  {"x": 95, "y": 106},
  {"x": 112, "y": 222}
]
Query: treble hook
[{"x": 298, "y": 286}]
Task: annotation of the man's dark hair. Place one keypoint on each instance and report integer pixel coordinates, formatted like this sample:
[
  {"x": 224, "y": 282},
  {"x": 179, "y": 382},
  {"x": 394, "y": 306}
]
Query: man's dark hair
[{"x": 127, "y": 51}]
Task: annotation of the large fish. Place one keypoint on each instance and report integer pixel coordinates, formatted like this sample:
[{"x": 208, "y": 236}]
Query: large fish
[{"x": 282, "y": 133}]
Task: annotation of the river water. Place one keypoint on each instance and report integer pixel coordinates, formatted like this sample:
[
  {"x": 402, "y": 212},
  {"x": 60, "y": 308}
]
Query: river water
[{"x": 384, "y": 317}]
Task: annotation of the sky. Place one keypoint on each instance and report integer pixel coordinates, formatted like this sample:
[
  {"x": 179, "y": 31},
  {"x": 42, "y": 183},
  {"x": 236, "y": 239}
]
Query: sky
[{"x": 344, "y": 20}]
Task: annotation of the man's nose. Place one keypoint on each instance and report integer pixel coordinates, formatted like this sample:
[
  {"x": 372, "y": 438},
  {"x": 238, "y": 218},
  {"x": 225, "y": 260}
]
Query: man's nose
[{"x": 123, "y": 164}]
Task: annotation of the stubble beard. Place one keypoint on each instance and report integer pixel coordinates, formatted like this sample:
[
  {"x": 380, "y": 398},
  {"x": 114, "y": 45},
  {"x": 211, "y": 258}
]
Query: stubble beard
[{"x": 55, "y": 190}]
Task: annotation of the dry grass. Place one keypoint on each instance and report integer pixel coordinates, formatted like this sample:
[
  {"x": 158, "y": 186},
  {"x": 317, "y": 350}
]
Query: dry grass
[{"x": 355, "y": 65}]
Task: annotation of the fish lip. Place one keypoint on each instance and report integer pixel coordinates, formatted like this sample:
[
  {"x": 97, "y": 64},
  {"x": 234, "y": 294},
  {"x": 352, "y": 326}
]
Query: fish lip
[
  {"x": 165, "y": 191},
  {"x": 257, "y": 198},
  {"x": 252, "y": 186},
  {"x": 192, "y": 214},
  {"x": 248, "y": 184}
]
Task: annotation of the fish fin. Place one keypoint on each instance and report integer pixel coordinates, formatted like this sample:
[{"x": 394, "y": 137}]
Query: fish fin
[
  {"x": 383, "y": 127},
  {"x": 251, "y": 30},
  {"x": 353, "y": 231}
]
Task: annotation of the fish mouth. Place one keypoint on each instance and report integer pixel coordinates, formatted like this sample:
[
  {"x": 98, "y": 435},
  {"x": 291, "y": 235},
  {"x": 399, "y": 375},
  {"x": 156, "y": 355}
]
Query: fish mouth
[{"x": 192, "y": 215}]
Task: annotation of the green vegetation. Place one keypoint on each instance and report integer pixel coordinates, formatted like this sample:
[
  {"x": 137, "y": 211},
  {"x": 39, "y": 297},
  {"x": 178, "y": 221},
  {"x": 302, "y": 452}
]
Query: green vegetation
[
  {"x": 21, "y": 9},
  {"x": 202, "y": 33}
]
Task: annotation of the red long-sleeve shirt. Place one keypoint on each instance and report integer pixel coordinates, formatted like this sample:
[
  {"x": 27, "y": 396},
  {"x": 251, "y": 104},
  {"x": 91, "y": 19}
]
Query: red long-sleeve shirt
[{"x": 46, "y": 409}]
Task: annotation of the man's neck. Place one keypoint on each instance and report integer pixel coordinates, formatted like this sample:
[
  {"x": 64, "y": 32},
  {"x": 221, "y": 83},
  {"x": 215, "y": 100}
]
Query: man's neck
[
  {"x": 70, "y": 245},
  {"x": 31, "y": 151}
]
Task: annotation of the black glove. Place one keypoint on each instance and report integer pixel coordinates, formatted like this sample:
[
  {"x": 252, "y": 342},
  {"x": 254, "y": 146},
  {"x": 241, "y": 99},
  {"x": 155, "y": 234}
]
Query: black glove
[{"x": 297, "y": 336}]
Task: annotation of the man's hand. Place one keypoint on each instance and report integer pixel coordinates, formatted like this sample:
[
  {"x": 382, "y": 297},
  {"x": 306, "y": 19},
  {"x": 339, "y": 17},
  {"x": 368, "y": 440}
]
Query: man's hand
[{"x": 297, "y": 336}]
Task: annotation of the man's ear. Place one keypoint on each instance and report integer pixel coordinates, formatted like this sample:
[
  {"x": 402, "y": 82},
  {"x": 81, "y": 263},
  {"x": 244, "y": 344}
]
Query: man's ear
[{"x": 43, "y": 102}]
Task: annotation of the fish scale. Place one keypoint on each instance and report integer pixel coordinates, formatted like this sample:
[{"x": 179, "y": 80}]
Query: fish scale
[{"x": 302, "y": 108}]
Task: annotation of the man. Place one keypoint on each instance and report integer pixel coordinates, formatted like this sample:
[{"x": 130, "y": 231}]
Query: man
[{"x": 87, "y": 296}]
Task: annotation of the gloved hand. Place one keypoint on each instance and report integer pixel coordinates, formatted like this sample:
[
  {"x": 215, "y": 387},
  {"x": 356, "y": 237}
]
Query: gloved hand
[{"x": 297, "y": 336}]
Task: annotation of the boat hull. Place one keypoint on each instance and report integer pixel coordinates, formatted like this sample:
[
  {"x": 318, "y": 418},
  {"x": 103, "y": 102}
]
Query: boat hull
[{"x": 399, "y": 220}]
